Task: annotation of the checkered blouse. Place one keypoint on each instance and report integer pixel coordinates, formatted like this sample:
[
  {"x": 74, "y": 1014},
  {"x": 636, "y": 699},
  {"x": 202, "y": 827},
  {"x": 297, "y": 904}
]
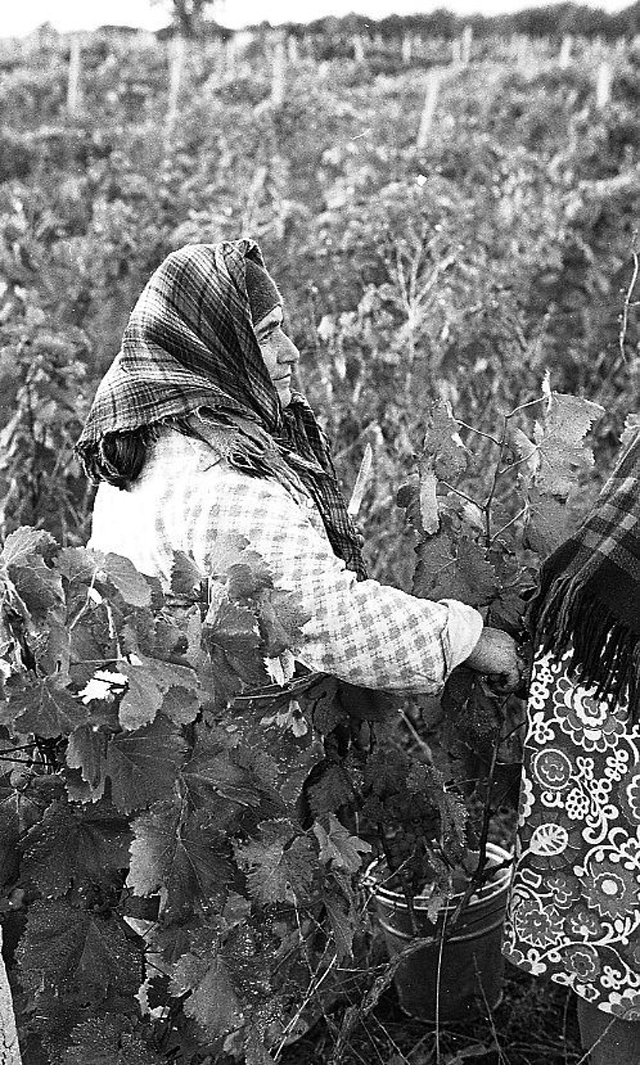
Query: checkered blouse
[{"x": 360, "y": 631}]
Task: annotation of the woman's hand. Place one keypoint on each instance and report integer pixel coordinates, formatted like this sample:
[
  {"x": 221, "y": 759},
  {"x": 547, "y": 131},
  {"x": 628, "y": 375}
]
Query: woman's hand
[{"x": 496, "y": 653}]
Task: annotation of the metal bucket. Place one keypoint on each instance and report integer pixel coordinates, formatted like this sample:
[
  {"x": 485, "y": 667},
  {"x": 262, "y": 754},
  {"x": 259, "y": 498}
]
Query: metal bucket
[{"x": 456, "y": 975}]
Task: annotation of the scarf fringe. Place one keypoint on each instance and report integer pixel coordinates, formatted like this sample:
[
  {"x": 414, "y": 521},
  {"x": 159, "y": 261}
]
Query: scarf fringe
[{"x": 605, "y": 651}]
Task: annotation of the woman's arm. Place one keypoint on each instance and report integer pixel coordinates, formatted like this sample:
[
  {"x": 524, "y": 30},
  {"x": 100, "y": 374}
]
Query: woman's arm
[{"x": 362, "y": 632}]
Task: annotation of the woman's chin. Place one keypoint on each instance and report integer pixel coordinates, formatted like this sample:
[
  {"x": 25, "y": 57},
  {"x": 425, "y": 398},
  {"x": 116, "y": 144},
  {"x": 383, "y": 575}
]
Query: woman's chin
[{"x": 285, "y": 395}]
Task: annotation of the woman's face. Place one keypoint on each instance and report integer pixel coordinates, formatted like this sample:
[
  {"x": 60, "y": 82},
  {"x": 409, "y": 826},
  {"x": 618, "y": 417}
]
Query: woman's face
[{"x": 279, "y": 353}]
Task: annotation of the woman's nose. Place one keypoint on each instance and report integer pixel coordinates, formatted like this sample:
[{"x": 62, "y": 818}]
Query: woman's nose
[{"x": 288, "y": 351}]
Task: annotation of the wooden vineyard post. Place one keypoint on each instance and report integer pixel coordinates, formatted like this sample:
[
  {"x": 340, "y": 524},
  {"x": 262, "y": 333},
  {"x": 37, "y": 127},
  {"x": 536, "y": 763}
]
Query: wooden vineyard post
[
  {"x": 604, "y": 83},
  {"x": 358, "y": 49},
  {"x": 524, "y": 55},
  {"x": 407, "y": 49},
  {"x": 434, "y": 77},
  {"x": 456, "y": 51},
  {"x": 565, "y": 51},
  {"x": 73, "y": 84},
  {"x": 230, "y": 57},
  {"x": 292, "y": 49},
  {"x": 9, "y": 1047},
  {"x": 177, "y": 52},
  {"x": 465, "y": 45},
  {"x": 278, "y": 73}
]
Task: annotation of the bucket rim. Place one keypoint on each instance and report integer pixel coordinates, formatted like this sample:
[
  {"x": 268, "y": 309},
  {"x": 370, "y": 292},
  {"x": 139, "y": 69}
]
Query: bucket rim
[{"x": 485, "y": 894}]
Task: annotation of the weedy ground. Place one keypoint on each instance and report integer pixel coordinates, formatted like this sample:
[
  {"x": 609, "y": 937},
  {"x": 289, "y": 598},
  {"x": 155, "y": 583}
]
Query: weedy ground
[{"x": 535, "y": 1024}]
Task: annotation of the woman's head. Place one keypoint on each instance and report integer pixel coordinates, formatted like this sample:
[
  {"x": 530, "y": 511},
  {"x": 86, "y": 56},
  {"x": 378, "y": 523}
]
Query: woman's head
[
  {"x": 279, "y": 353},
  {"x": 191, "y": 343}
]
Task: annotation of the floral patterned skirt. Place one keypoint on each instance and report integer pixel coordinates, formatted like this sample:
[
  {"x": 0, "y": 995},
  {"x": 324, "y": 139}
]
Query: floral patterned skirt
[{"x": 574, "y": 907}]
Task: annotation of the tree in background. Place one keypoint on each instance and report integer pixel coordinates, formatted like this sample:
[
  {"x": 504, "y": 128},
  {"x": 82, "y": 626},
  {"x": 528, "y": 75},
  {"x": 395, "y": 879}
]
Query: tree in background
[{"x": 187, "y": 16}]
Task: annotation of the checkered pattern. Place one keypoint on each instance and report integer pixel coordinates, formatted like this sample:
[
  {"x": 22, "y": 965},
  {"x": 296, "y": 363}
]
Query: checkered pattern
[
  {"x": 190, "y": 345},
  {"x": 589, "y": 595},
  {"x": 360, "y": 631}
]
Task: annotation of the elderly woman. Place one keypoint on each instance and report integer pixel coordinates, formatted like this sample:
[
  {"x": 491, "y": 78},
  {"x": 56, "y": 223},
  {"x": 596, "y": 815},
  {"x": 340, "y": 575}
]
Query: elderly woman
[
  {"x": 574, "y": 913},
  {"x": 196, "y": 431}
]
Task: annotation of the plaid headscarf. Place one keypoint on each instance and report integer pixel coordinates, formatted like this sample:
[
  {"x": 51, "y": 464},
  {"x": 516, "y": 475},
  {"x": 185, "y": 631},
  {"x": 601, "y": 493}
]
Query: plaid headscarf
[
  {"x": 589, "y": 593},
  {"x": 190, "y": 345}
]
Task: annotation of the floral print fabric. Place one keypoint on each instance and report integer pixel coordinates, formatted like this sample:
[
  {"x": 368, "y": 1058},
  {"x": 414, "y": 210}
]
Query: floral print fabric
[{"x": 574, "y": 908}]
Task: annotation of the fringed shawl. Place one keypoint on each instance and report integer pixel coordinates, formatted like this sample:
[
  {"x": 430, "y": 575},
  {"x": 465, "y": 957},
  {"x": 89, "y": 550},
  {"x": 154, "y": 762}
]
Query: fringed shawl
[
  {"x": 589, "y": 596},
  {"x": 190, "y": 347}
]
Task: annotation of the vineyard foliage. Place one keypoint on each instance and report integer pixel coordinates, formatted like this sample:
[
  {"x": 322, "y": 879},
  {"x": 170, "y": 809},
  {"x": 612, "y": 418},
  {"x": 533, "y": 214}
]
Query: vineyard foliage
[{"x": 184, "y": 822}]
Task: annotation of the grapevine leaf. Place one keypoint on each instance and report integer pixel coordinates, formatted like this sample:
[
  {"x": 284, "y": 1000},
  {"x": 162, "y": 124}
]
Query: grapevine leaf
[
  {"x": 339, "y": 847},
  {"x": 526, "y": 454},
  {"x": 180, "y": 706},
  {"x": 180, "y": 855},
  {"x": 255, "y": 1052},
  {"x": 281, "y": 621},
  {"x": 454, "y": 571},
  {"x": 248, "y": 578},
  {"x": 215, "y": 772},
  {"x": 286, "y": 759},
  {"x": 280, "y": 866},
  {"x": 143, "y": 697},
  {"x": 53, "y": 650},
  {"x": 474, "y": 568},
  {"x": 211, "y": 998},
  {"x": 92, "y": 640},
  {"x": 547, "y": 524},
  {"x": 332, "y": 790},
  {"x": 106, "y": 1041},
  {"x": 631, "y": 428},
  {"x": 148, "y": 681},
  {"x": 21, "y": 546},
  {"x": 37, "y": 585},
  {"x": 185, "y": 576},
  {"x": 42, "y": 706},
  {"x": 560, "y": 439},
  {"x": 65, "y": 949},
  {"x": 227, "y": 550},
  {"x": 87, "y": 751},
  {"x": 343, "y": 921},
  {"x": 435, "y": 569},
  {"x": 78, "y": 565},
  {"x": 233, "y": 628},
  {"x": 443, "y": 451},
  {"x": 142, "y": 764},
  {"x": 408, "y": 497},
  {"x": 74, "y": 846},
  {"x": 132, "y": 586},
  {"x": 429, "y": 517},
  {"x": 18, "y": 812}
]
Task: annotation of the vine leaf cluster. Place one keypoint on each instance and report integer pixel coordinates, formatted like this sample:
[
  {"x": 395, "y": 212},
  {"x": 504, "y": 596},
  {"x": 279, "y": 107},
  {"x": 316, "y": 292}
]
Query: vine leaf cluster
[{"x": 151, "y": 827}]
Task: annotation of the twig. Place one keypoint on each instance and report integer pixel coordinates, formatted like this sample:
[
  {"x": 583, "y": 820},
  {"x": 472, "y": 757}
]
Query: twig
[
  {"x": 357, "y": 1013},
  {"x": 424, "y": 747},
  {"x": 523, "y": 406},
  {"x": 624, "y": 318},
  {"x": 494, "y": 1030},
  {"x": 518, "y": 462},
  {"x": 462, "y": 494},
  {"x": 479, "y": 432},
  {"x": 509, "y": 523},
  {"x": 484, "y": 830}
]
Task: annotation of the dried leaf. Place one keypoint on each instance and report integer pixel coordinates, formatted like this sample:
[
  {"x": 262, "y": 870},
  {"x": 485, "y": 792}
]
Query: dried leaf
[
  {"x": 339, "y": 847},
  {"x": 560, "y": 439}
]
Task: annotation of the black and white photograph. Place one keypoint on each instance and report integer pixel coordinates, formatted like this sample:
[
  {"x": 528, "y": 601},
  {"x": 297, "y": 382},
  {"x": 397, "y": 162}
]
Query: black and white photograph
[{"x": 319, "y": 532}]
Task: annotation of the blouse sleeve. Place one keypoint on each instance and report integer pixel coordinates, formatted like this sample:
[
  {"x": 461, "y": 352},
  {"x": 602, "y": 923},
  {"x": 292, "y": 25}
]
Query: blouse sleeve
[{"x": 360, "y": 631}]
